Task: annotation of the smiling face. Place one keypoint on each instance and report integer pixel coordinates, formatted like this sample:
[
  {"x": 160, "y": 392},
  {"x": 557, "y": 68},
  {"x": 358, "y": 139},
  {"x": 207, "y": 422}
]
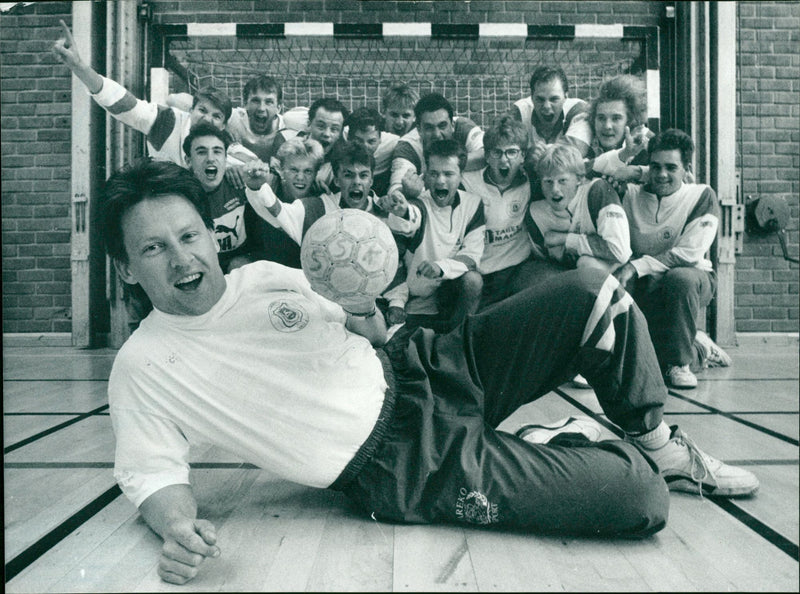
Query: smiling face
[
  {"x": 504, "y": 162},
  {"x": 609, "y": 124},
  {"x": 435, "y": 125},
  {"x": 297, "y": 175},
  {"x": 442, "y": 178},
  {"x": 559, "y": 188},
  {"x": 262, "y": 111},
  {"x": 172, "y": 255},
  {"x": 548, "y": 100},
  {"x": 207, "y": 160},
  {"x": 355, "y": 181},
  {"x": 666, "y": 172},
  {"x": 326, "y": 127},
  {"x": 205, "y": 111},
  {"x": 370, "y": 139},
  {"x": 399, "y": 118}
]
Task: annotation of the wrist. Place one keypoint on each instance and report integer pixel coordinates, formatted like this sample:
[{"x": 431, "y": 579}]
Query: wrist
[{"x": 362, "y": 314}]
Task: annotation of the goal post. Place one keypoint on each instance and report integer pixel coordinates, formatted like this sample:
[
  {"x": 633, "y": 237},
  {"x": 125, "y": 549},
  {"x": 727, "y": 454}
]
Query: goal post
[{"x": 482, "y": 68}]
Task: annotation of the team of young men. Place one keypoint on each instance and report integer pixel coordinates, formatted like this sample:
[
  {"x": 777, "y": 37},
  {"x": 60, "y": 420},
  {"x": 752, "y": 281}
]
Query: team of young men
[{"x": 458, "y": 262}]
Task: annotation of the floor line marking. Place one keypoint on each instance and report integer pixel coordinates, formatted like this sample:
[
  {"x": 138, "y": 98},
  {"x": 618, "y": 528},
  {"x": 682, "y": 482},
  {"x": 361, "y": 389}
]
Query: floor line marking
[
  {"x": 52, "y": 379},
  {"x": 757, "y": 526},
  {"x": 733, "y": 417},
  {"x": 59, "y": 533},
  {"x": 53, "y": 429},
  {"x": 42, "y": 414}
]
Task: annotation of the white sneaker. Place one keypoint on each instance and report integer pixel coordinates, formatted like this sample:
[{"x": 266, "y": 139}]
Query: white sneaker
[
  {"x": 580, "y": 382},
  {"x": 680, "y": 376},
  {"x": 589, "y": 428},
  {"x": 713, "y": 355},
  {"x": 685, "y": 467}
]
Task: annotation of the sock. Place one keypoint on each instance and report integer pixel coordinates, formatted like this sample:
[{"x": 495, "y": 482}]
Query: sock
[{"x": 654, "y": 439}]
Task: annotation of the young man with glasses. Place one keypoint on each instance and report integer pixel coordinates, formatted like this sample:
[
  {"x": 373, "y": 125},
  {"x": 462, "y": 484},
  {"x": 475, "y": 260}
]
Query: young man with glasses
[{"x": 505, "y": 191}]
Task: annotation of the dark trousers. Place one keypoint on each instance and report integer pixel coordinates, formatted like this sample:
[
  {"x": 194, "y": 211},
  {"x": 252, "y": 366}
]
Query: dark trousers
[
  {"x": 442, "y": 459},
  {"x": 671, "y": 305}
]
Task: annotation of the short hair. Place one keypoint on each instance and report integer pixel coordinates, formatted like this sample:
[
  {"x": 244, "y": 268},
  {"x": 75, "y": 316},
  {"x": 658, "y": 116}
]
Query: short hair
[
  {"x": 447, "y": 147},
  {"x": 215, "y": 97},
  {"x": 262, "y": 83},
  {"x": 328, "y": 104},
  {"x": 363, "y": 118},
  {"x": 506, "y": 129},
  {"x": 205, "y": 129},
  {"x": 628, "y": 89},
  {"x": 352, "y": 153},
  {"x": 432, "y": 102},
  {"x": 673, "y": 140},
  {"x": 399, "y": 93},
  {"x": 544, "y": 74},
  {"x": 145, "y": 179},
  {"x": 560, "y": 157},
  {"x": 305, "y": 148}
]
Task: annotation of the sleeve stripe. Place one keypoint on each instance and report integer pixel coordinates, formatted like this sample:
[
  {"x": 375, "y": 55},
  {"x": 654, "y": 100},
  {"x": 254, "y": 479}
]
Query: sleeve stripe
[
  {"x": 612, "y": 300},
  {"x": 127, "y": 103},
  {"x": 162, "y": 127}
]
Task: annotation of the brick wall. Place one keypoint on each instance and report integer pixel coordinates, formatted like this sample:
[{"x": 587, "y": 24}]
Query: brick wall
[
  {"x": 36, "y": 106},
  {"x": 35, "y": 121},
  {"x": 766, "y": 284}
]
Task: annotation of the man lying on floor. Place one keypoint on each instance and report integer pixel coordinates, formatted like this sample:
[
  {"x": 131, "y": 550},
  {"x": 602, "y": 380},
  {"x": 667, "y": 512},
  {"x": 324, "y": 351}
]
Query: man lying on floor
[{"x": 257, "y": 363}]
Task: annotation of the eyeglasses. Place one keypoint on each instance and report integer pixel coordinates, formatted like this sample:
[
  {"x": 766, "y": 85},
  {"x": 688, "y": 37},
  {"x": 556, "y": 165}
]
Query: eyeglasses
[{"x": 511, "y": 153}]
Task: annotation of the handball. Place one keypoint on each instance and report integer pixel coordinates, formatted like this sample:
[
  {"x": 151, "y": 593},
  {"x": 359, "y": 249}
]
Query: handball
[{"x": 349, "y": 256}]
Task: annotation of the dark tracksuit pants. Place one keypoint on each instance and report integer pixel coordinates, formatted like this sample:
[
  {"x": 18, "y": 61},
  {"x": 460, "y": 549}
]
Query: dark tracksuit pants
[
  {"x": 671, "y": 304},
  {"x": 442, "y": 460}
]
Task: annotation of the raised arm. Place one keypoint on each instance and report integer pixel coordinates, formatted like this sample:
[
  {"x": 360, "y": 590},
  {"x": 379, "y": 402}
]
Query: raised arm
[
  {"x": 116, "y": 99},
  {"x": 65, "y": 50}
]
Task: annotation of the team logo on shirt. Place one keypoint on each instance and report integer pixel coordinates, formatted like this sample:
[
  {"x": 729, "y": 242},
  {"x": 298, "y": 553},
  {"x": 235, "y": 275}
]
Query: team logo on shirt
[
  {"x": 667, "y": 234},
  {"x": 473, "y": 507},
  {"x": 514, "y": 208},
  {"x": 287, "y": 316}
]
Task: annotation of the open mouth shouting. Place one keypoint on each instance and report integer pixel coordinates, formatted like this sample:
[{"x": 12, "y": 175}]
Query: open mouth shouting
[
  {"x": 504, "y": 171},
  {"x": 190, "y": 282},
  {"x": 441, "y": 195},
  {"x": 211, "y": 172},
  {"x": 259, "y": 123},
  {"x": 355, "y": 197}
]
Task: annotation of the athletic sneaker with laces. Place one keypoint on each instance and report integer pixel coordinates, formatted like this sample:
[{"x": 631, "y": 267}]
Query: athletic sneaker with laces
[
  {"x": 713, "y": 355},
  {"x": 680, "y": 376},
  {"x": 587, "y": 427},
  {"x": 685, "y": 467}
]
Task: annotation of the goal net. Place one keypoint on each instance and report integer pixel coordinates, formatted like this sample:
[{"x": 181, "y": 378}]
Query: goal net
[{"x": 481, "y": 77}]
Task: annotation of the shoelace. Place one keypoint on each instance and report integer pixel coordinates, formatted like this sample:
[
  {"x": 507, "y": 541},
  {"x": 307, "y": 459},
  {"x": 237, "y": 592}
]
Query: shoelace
[{"x": 698, "y": 459}]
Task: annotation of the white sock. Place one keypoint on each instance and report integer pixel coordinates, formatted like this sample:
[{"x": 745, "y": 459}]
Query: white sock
[{"x": 657, "y": 438}]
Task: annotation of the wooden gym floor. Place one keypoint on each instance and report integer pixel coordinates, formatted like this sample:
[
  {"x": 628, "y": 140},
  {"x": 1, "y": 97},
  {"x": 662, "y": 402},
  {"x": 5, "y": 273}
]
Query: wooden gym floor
[{"x": 67, "y": 528}]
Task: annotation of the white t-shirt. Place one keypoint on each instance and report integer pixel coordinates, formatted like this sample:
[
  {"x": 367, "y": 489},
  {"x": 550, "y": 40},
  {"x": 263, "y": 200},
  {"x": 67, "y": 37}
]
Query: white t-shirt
[{"x": 270, "y": 374}]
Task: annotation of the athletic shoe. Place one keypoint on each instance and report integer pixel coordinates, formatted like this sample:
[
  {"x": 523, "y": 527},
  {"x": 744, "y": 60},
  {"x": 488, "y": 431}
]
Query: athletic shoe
[
  {"x": 680, "y": 376},
  {"x": 713, "y": 355},
  {"x": 580, "y": 382},
  {"x": 685, "y": 467},
  {"x": 587, "y": 427}
]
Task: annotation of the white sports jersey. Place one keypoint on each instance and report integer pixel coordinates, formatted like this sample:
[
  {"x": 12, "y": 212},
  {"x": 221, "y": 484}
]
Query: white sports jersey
[
  {"x": 575, "y": 124},
  {"x": 447, "y": 235},
  {"x": 594, "y": 224},
  {"x": 221, "y": 378},
  {"x": 408, "y": 155},
  {"x": 505, "y": 240},
  {"x": 676, "y": 230}
]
